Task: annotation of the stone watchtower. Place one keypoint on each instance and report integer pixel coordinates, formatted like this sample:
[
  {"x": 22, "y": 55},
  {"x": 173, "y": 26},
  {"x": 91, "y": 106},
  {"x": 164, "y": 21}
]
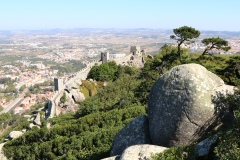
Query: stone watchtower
[
  {"x": 135, "y": 50},
  {"x": 104, "y": 57},
  {"x": 58, "y": 84}
]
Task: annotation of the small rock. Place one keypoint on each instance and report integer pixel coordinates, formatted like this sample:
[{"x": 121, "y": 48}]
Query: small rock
[
  {"x": 15, "y": 134},
  {"x": 28, "y": 117},
  {"x": 104, "y": 84},
  {"x": 2, "y": 157},
  {"x": 31, "y": 125},
  {"x": 112, "y": 158},
  {"x": 203, "y": 147},
  {"x": 38, "y": 119},
  {"x": 136, "y": 132},
  {"x": 48, "y": 125},
  {"x": 141, "y": 152}
]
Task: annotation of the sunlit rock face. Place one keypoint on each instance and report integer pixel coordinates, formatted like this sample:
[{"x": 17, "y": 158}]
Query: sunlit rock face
[
  {"x": 136, "y": 132},
  {"x": 180, "y": 102}
]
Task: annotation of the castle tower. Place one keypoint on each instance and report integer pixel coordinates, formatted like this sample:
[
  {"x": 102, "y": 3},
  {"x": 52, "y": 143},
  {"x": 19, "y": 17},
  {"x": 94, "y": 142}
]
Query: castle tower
[
  {"x": 58, "y": 84},
  {"x": 104, "y": 57},
  {"x": 135, "y": 50}
]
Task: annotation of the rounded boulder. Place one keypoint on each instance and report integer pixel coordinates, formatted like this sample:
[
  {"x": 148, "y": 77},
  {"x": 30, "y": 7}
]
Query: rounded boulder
[{"x": 180, "y": 103}]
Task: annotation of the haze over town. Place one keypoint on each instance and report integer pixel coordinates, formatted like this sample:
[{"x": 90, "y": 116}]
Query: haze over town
[{"x": 33, "y": 51}]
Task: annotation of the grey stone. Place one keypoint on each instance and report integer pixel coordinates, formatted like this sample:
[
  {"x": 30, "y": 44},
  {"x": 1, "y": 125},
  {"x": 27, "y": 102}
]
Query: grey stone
[
  {"x": 136, "y": 132},
  {"x": 73, "y": 85},
  {"x": 78, "y": 96},
  {"x": 112, "y": 158},
  {"x": 141, "y": 152},
  {"x": 69, "y": 100},
  {"x": 2, "y": 157},
  {"x": 203, "y": 147},
  {"x": 15, "y": 134},
  {"x": 180, "y": 102},
  {"x": 27, "y": 116},
  {"x": 31, "y": 125},
  {"x": 38, "y": 119},
  {"x": 48, "y": 125}
]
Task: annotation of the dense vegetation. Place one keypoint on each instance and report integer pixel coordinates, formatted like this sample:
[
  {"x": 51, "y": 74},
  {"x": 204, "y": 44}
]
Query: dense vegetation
[
  {"x": 68, "y": 68},
  {"x": 9, "y": 83},
  {"x": 225, "y": 66},
  {"x": 11, "y": 122},
  {"x": 88, "y": 134},
  {"x": 109, "y": 71},
  {"x": 41, "y": 87},
  {"x": 89, "y": 88}
]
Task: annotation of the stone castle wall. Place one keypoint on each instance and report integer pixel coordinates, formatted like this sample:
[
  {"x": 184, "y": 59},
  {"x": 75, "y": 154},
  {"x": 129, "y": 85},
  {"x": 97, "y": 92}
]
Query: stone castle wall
[
  {"x": 77, "y": 77},
  {"x": 82, "y": 75}
]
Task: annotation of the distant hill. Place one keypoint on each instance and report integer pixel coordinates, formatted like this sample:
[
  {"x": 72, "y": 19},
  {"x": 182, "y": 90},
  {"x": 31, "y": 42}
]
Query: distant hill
[{"x": 113, "y": 31}]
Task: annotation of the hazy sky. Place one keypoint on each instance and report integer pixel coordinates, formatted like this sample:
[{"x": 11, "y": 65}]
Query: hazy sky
[{"x": 165, "y": 14}]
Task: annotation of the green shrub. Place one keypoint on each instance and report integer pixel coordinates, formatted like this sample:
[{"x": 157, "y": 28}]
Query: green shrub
[
  {"x": 63, "y": 99},
  {"x": 175, "y": 153}
]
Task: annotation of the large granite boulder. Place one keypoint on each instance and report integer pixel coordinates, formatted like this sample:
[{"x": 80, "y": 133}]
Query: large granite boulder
[
  {"x": 136, "y": 132},
  {"x": 137, "y": 152},
  {"x": 180, "y": 102}
]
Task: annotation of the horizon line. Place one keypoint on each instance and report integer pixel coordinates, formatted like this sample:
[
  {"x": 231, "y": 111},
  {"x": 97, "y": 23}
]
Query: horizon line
[{"x": 49, "y": 29}]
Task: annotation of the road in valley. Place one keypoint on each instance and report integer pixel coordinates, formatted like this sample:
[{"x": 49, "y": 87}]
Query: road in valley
[{"x": 14, "y": 103}]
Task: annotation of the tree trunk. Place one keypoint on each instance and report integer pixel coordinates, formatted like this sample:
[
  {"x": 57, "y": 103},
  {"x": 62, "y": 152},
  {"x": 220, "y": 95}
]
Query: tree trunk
[
  {"x": 179, "y": 50},
  {"x": 205, "y": 51}
]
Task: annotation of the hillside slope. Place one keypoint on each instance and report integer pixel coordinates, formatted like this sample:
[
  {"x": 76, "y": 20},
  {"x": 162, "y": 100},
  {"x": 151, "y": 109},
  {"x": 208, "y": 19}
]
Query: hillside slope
[{"x": 89, "y": 133}]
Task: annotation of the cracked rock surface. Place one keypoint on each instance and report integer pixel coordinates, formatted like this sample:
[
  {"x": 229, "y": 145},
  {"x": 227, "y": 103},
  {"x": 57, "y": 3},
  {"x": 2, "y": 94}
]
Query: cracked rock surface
[
  {"x": 180, "y": 102},
  {"x": 136, "y": 132}
]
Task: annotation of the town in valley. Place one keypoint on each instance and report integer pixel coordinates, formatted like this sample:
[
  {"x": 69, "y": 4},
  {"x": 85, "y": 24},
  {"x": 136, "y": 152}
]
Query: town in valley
[{"x": 30, "y": 60}]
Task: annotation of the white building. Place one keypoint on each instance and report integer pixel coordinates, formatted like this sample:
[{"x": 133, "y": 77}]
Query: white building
[
  {"x": 114, "y": 56},
  {"x": 1, "y": 86}
]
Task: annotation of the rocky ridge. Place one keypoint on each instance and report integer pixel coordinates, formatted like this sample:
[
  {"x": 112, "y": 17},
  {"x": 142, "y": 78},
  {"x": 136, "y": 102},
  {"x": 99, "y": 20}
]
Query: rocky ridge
[{"x": 180, "y": 104}]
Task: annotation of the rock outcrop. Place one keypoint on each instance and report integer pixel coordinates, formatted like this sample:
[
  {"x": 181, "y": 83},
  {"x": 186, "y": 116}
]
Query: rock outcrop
[
  {"x": 77, "y": 95},
  {"x": 15, "y": 134},
  {"x": 203, "y": 147},
  {"x": 69, "y": 105},
  {"x": 136, "y": 132},
  {"x": 31, "y": 125},
  {"x": 74, "y": 92},
  {"x": 138, "y": 152},
  {"x": 2, "y": 157},
  {"x": 180, "y": 102},
  {"x": 141, "y": 152},
  {"x": 112, "y": 158},
  {"x": 37, "y": 120}
]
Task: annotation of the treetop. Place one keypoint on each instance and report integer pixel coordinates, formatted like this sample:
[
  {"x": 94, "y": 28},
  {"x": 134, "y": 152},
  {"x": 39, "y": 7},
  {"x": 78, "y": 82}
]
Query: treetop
[{"x": 186, "y": 33}]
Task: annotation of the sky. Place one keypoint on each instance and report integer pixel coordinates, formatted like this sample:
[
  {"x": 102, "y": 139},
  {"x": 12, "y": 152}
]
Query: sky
[{"x": 218, "y": 15}]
